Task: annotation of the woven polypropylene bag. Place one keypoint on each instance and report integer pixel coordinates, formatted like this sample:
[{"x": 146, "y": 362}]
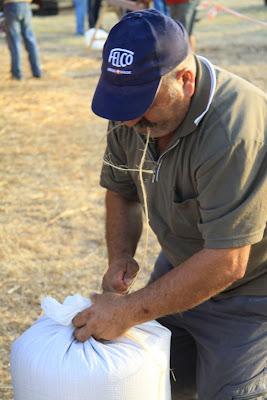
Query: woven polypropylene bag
[{"x": 48, "y": 363}]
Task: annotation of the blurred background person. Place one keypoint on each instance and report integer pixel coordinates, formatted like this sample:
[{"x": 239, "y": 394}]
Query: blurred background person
[
  {"x": 18, "y": 22},
  {"x": 93, "y": 12},
  {"x": 185, "y": 11},
  {"x": 161, "y": 6},
  {"x": 80, "y": 7}
]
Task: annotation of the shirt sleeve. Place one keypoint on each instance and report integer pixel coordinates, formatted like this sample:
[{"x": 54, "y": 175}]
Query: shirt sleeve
[
  {"x": 232, "y": 187},
  {"x": 114, "y": 175}
]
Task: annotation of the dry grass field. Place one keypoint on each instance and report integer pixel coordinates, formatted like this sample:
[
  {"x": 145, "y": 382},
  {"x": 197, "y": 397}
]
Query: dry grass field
[{"x": 51, "y": 147}]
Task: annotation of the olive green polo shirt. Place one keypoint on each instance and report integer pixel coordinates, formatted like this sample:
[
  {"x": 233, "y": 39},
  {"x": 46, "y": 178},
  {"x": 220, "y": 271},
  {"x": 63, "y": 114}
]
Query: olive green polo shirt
[{"x": 209, "y": 188}]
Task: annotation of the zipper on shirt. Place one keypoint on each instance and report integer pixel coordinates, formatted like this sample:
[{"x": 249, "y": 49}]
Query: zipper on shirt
[
  {"x": 159, "y": 162},
  {"x": 156, "y": 170}
]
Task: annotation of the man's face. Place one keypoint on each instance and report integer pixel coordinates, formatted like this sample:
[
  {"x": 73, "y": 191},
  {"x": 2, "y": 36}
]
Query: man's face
[{"x": 166, "y": 112}]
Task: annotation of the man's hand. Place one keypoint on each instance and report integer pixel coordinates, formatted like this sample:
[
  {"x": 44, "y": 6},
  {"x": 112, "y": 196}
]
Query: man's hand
[
  {"x": 107, "y": 318},
  {"x": 120, "y": 275}
]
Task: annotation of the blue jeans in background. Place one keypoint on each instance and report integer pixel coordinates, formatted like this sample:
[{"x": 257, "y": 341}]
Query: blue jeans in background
[
  {"x": 80, "y": 13},
  {"x": 18, "y": 22},
  {"x": 161, "y": 6}
]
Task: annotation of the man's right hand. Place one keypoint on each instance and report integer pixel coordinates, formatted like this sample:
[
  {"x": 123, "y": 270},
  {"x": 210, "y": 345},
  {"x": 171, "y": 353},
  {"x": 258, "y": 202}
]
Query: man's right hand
[{"x": 120, "y": 275}]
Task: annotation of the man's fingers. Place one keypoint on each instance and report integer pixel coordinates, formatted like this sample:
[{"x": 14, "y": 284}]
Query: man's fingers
[
  {"x": 113, "y": 289},
  {"x": 81, "y": 318},
  {"x": 82, "y": 334},
  {"x": 113, "y": 282},
  {"x": 78, "y": 321},
  {"x": 131, "y": 272}
]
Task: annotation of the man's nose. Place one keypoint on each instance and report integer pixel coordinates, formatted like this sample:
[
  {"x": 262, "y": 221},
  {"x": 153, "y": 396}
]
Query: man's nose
[{"x": 131, "y": 122}]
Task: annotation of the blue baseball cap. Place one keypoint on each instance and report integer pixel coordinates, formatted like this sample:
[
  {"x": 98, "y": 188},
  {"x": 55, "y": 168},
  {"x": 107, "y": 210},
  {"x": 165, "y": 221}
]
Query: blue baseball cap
[{"x": 141, "y": 48}]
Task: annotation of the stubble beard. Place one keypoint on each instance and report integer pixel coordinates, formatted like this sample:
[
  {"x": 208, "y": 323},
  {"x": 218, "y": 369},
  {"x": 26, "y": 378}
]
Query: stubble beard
[{"x": 160, "y": 129}]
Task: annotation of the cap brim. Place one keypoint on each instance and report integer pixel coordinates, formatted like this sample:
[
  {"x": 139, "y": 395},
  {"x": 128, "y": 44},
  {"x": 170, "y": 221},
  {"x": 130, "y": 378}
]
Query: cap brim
[{"x": 123, "y": 103}]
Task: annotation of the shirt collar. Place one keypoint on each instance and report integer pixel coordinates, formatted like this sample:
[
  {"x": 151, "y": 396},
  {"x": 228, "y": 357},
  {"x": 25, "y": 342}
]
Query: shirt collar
[{"x": 202, "y": 98}]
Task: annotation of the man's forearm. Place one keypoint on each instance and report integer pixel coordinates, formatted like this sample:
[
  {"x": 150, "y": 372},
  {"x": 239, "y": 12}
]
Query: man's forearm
[
  {"x": 202, "y": 276},
  {"x": 123, "y": 225}
]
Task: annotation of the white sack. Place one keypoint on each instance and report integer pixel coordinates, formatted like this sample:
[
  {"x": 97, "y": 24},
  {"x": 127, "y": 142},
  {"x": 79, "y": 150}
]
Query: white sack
[
  {"x": 99, "y": 38},
  {"x": 48, "y": 363}
]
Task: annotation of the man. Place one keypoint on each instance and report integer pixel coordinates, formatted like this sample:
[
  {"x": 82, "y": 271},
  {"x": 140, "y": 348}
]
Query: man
[
  {"x": 206, "y": 203},
  {"x": 93, "y": 12},
  {"x": 18, "y": 22},
  {"x": 185, "y": 11},
  {"x": 80, "y": 8}
]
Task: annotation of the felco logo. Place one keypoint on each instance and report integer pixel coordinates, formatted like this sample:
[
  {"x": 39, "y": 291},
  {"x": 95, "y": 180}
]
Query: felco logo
[{"x": 120, "y": 57}]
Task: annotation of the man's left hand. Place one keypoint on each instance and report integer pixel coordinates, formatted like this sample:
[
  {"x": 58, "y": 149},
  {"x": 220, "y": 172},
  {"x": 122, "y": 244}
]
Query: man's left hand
[{"x": 107, "y": 318}]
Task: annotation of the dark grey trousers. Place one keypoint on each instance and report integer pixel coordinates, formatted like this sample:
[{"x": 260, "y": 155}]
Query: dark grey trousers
[{"x": 218, "y": 349}]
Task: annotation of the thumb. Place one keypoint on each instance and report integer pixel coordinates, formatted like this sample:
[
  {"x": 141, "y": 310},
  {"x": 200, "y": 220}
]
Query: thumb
[{"x": 131, "y": 272}]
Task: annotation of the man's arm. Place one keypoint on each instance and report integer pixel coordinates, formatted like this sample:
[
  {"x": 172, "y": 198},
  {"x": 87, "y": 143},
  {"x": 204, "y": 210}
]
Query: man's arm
[
  {"x": 123, "y": 231},
  {"x": 202, "y": 276}
]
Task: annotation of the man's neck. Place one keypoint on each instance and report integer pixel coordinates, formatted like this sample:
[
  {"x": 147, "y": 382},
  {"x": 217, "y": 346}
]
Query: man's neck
[{"x": 163, "y": 142}]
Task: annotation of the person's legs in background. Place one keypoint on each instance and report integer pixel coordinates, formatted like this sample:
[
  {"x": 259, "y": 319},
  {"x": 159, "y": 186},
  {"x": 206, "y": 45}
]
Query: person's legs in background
[
  {"x": 80, "y": 7},
  {"x": 12, "y": 28},
  {"x": 161, "y": 6},
  {"x": 93, "y": 12},
  {"x": 30, "y": 41},
  {"x": 186, "y": 14}
]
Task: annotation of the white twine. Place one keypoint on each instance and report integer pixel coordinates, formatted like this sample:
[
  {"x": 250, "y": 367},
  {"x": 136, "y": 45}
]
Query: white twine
[
  {"x": 145, "y": 195},
  {"x": 140, "y": 171}
]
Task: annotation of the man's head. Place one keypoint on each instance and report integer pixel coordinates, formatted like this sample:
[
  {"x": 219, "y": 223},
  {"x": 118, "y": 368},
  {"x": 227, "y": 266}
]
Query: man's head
[
  {"x": 170, "y": 103},
  {"x": 146, "y": 72}
]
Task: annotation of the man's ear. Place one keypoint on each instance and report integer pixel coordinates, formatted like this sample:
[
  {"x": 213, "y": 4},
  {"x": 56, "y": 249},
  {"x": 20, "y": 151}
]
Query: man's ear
[
  {"x": 188, "y": 80},
  {"x": 189, "y": 83}
]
